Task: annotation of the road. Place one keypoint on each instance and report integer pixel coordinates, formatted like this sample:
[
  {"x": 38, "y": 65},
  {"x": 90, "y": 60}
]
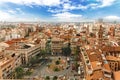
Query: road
[
  {"x": 39, "y": 68},
  {"x": 42, "y": 71}
]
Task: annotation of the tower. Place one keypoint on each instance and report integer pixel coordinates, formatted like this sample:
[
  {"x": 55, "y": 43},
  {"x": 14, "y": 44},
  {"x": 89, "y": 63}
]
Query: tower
[{"x": 100, "y": 36}]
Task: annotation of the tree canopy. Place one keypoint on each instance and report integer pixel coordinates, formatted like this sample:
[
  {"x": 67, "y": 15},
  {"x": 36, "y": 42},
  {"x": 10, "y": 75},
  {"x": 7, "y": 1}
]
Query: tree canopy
[
  {"x": 66, "y": 50},
  {"x": 19, "y": 72}
]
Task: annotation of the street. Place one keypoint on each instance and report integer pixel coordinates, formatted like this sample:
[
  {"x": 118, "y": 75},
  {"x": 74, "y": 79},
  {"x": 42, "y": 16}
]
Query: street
[{"x": 42, "y": 71}]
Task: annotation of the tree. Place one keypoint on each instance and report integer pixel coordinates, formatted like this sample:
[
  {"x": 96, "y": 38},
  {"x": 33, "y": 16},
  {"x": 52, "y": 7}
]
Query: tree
[
  {"x": 47, "y": 78},
  {"x": 55, "y": 78},
  {"x": 66, "y": 50},
  {"x": 28, "y": 72},
  {"x": 43, "y": 53},
  {"x": 33, "y": 60},
  {"x": 77, "y": 51},
  {"x": 56, "y": 69},
  {"x": 19, "y": 72},
  {"x": 76, "y": 66},
  {"x": 48, "y": 46},
  {"x": 57, "y": 62}
]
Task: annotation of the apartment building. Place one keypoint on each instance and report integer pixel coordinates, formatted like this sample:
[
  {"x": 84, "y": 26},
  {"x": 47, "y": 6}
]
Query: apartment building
[
  {"x": 56, "y": 45},
  {"x": 6, "y": 66},
  {"x": 25, "y": 50}
]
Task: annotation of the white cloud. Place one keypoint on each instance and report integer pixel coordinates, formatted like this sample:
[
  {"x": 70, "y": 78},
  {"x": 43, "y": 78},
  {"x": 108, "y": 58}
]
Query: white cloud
[
  {"x": 103, "y": 3},
  {"x": 11, "y": 11},
  {"x": 106, "y": 3},
  {"x": 5, "y": 16},
  {"x": 111, "y": 18},
  {"x": 35, "y": 2},
  {"x": 66, "y": 16},
  {"x": 12, "y": 16},
  {"x": 20, "y": 11},
  {"x": 68, "y": 6}
]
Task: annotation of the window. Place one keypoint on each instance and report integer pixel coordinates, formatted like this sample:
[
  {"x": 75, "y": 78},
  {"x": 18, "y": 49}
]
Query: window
[
  {"x": 9, "y": 66},
  {"x": 4, "y": 70},
  {"x": 13, "y": 55}
]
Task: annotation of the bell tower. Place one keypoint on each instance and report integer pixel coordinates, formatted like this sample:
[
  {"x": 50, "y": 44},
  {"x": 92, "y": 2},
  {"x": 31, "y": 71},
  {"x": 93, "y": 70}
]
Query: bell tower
[{"x": 100, "y": 36}]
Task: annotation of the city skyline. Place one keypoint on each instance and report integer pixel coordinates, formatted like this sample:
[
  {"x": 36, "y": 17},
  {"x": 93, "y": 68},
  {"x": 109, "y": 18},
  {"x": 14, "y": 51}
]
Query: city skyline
[{"x": 59, "y": 10}]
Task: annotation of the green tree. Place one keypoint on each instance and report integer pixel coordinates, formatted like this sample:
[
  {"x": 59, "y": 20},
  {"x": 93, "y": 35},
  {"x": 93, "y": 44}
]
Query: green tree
[
  {"x": 56, "y": 69},
  {"x": 44, "y": 53},
  {"x": 77, "y": 51},
  {"x": 55, "y": 78},
  {"x": 33, "y": 60},
  {"x": 66, "y": 50},
  {"x": 48, "y": 46},
  {"x": 28, "y": 72},
  {"x": 19, "y": 72},
  {"x": 47, "y": 78},
  {"x": 57, "y": 62}
]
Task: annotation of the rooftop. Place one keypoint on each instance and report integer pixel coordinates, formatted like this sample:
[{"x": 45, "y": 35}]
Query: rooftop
[
  {"x": 111, "y": 48},
  {"x": 112, "y": 58},
  {"x": 116, "y": 75},
  {"x": 5, "y": 61},
  {"x": 97, "y": 75},
  {"x": 96, "y": 65},
  {"x": 94, "y": 55},
  {"x": 56, "y": 39}
]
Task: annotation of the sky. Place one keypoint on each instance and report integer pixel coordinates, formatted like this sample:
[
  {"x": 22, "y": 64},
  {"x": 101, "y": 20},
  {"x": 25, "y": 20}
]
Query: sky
[{"x": 59, "y": 10}]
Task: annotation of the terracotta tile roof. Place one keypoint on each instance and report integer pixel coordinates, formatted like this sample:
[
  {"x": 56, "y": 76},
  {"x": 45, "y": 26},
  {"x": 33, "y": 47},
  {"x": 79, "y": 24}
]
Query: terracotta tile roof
[
  {"x": 107, "y": 67},
  {"x": 15, "y": 40},
  {"x": 97, "y": 75},
  {"x": 94, "y": 55},
  {"x": 111, "y": 48},
  {"x": 96, "y": 65},
  {"x": 116, "y": 75},
  {"x": 9, "y": 42},
  {"x": 112, "y": 58}
]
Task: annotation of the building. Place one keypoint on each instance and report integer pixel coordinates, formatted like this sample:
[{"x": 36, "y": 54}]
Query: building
[
  {"x": 114, "y": 63},
  {"x": 6, "y": 66},
  {"x": 43, "y": 44},
  {"x": 111, "y": 51},
  {"x": 73, "y": 45},
  {"x": 116, "y": 75},
  {"x": 95, "y": 65},
  {"x": 25, "y": 50},
  {"x": 56, "y": 45}
]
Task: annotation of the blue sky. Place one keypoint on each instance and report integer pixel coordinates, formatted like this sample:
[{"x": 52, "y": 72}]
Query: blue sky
[{"x": 59, "y": 10}]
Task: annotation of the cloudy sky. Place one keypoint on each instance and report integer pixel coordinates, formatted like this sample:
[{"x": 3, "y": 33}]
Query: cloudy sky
[{"x": 59, "y": 10}]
